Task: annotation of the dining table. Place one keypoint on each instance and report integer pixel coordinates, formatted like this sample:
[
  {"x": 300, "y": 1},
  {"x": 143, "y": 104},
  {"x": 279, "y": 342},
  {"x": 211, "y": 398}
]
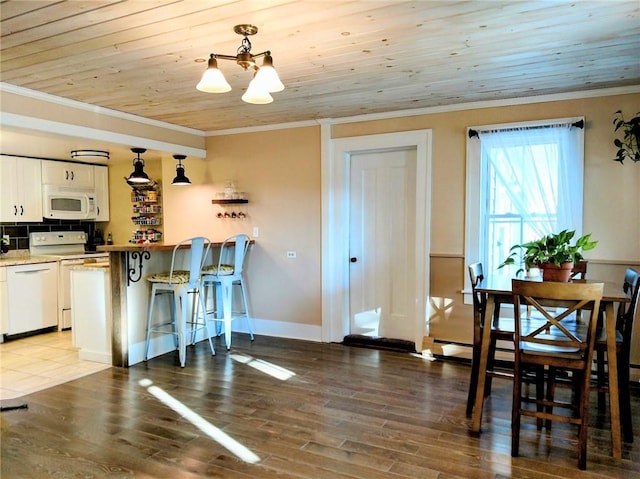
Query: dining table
[{"x": 498, "y": 291}]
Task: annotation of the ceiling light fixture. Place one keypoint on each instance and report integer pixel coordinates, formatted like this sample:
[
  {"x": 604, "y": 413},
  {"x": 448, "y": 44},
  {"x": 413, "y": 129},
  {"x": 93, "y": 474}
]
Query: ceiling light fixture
[
  {"x": 90, "y": 154},
  {"x": 265, "y": 79},
  {"x": 180, "y": 179},
  {"x": 138, "y": 176}
]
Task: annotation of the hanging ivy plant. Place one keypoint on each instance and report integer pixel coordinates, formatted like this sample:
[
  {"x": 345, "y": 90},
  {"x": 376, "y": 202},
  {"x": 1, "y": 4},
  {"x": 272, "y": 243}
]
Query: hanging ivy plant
[{"x": 629, "y": 145}]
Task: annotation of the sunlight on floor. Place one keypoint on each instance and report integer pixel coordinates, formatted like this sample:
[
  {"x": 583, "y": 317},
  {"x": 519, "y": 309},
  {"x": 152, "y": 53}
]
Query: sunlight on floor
[
  {"x": 264, "y": 366},
  {"x": 39, "y": 362},
  {"x": 205, "y": 426}
]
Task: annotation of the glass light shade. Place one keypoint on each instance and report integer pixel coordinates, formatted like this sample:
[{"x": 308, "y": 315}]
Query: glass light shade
[
  {"x": 268, "y": 76},
  {"x": 213, "y": 81},
  {"x": 138, "y": 175},
  {"x": 257, "y": 94}
]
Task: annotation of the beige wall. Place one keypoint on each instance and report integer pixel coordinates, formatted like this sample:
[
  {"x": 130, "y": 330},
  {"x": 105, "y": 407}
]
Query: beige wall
[
  {"x": 610, "y": 189},
  {"x": 120, "y": 206},
  {"x": 281, "y": 171},
  {"x": 612, "y": 194}
]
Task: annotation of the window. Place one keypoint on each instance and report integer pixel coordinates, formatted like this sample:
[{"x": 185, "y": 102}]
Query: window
[{"x": 523, "y": 181}]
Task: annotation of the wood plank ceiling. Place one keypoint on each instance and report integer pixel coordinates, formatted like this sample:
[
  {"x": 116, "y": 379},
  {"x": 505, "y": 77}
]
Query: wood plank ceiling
[{"x": 336, "y": 58}]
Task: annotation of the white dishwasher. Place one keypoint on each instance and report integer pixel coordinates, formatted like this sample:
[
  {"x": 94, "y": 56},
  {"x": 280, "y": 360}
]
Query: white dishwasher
[{"x": 32, "y": 297}]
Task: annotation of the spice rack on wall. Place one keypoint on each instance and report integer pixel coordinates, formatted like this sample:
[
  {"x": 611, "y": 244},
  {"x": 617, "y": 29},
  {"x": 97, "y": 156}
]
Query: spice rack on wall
[{"x": 147, "y": 209}]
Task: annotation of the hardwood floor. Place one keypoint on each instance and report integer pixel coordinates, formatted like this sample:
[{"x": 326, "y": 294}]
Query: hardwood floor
[{"x": 328, "y": 411}]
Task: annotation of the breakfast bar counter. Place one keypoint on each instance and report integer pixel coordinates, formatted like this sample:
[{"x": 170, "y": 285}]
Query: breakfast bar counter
[{"x": 130, "y": 264}]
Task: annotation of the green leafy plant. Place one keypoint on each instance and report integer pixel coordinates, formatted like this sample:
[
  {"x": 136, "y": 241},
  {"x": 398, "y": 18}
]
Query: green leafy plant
[
  {"x": 629, "y": 145},
  {"x": 553, "y": 248}
]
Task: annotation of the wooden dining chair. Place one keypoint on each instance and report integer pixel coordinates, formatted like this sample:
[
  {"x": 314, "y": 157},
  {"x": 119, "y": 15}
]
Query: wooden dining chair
[
  {"x": 579, "y": 270},
  {"x": 624, "y": 328},
  {"x": 552, "y": 347},
  {"x": 501, "y": 329},
  {"x": 579, "y": 273}
]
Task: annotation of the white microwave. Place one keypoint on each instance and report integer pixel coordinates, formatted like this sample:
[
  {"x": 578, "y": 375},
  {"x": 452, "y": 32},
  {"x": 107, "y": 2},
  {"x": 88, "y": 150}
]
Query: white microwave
[{"x": 68, "y": 203}]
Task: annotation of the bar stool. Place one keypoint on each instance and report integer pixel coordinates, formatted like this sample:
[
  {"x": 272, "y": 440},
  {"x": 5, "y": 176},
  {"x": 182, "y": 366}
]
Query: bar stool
[
  {"x": 226, "y": 274},
  {"x": 179, "y": 284}
]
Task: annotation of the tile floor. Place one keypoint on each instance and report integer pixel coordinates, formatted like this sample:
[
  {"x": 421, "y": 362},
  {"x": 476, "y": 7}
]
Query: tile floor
[{"x": 39, "y": 362}]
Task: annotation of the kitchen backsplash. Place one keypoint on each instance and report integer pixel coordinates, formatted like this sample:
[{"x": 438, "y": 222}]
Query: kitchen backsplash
[{"x": 19, "y": 232}]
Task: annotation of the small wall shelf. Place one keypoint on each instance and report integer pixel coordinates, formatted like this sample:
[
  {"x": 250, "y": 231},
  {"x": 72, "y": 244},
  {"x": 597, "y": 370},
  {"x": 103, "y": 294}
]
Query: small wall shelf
[
  {"x": 229, "y": 202},
  {"x": 231, "y": 208}
]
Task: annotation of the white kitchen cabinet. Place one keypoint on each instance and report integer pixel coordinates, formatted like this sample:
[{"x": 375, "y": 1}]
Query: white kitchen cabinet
[
  {"x": 20, "y": 189},
  {"x": 101, "y": 176},
  {"x": 32, "y": 297},
  {"x": 66, "y": 173},
  {"x": 91, "y": 311}
]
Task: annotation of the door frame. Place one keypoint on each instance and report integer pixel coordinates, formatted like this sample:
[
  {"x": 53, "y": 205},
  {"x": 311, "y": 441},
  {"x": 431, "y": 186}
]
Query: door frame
[{"x": 336, "y": 157}]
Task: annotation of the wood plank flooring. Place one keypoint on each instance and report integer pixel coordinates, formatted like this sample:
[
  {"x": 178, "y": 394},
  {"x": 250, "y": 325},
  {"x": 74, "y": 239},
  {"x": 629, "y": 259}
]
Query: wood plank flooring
[{"x": 333, "y": 411}]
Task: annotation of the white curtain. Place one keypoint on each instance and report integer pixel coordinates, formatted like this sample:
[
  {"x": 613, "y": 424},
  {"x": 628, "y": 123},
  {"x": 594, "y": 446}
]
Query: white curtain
[
  {"x": 537, "y": 175},
  {"x": 530, "y": 185}
]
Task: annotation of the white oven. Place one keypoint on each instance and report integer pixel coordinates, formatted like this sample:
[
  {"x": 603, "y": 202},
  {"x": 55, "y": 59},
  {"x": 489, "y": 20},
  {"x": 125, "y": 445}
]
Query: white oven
[{"x": 67, "y": 247}]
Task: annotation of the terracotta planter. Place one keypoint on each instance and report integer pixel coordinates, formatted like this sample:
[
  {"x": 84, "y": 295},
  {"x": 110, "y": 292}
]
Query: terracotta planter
[{"x": 559, "y": 274}]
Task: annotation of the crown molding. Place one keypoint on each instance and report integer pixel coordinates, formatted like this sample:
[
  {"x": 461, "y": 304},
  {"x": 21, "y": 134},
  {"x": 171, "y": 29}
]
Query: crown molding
[
  {"x": 77, "y": 131},
  {"x": 439, "y": 109},
  {"x": 492, "y": 104},
  {"x": 334, "y": 121},
  {"x": 37, "y": 95},
  {"x": 253, "y": 129}
]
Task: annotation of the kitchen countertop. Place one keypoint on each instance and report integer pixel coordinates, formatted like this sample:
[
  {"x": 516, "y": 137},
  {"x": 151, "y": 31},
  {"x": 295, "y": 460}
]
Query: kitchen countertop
[
  {"x": 18, "y": 257},
  {"x": 120, "y": 248},
  {"x": 136, "y": 247},
  {"x": 96, "y": 266}
]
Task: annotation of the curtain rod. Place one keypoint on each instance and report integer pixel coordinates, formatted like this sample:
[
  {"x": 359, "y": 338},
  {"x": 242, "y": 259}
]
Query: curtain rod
[{"x": 577, "y": 124}]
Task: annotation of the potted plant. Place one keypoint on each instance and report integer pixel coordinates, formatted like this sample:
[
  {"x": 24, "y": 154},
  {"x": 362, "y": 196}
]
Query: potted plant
[
  {"x": 553, "y": 254},
  {"x": 629, "y": 145}
]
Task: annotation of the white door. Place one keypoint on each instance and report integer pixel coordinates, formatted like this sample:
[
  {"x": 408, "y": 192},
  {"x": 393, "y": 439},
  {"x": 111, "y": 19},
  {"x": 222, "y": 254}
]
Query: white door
[
  {"x": 336, "y": 230},
  {"x": 382, "y": 243}
]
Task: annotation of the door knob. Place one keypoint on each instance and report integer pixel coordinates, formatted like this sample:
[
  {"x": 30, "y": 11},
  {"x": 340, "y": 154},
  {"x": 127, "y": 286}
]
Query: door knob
[{"x": 354, "y": 260}]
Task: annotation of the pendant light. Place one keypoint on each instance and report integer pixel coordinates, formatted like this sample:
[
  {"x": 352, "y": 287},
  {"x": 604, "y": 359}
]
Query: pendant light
[
  {"x": 180, "y": 179},
  {"x": 264, "y": 82},
  {"x": 213, "y": 81},
  {"x": 138, "y": 176},
  {"x": 257, "y": 93},
  {"x": 268, "y": 76}
]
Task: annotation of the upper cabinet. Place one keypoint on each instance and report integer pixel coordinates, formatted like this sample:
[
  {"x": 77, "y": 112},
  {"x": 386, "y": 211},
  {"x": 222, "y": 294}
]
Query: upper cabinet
[
  {"x": 101, "y": 174},
  {"x": 20, "y": 189},
  {"x": 64, "y": 173}
]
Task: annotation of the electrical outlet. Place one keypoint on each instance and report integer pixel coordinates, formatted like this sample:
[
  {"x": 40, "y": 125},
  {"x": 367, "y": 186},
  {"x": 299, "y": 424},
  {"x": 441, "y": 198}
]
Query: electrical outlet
[
  {"x": 291, "y": 254},
  {"x": 5, "y": 239},
  {"x": 256, "y": 231}
]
